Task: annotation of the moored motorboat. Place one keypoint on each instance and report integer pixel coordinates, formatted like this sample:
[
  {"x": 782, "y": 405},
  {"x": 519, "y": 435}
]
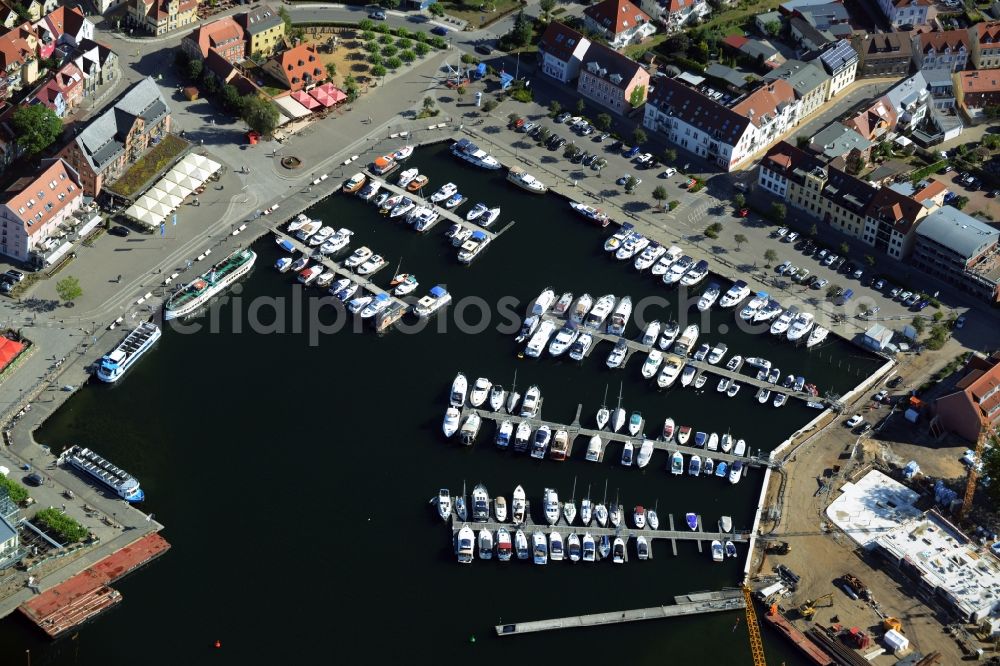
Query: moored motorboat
[
  {"x": 504, "y": 546},
  {"x": 573, "y": 547},
  {"x": 589, "y": 548},
  {"x": 628, "y": 450},
  {"x": 519, "y": 505},
  {"x": 694, "y": 465},
  {"x": 668, "y": 429},
  {"x": 653, "y": 519},
  {"x": 555, "y": 547},
  {"x": 683, "y": 434},
  {"x": 595, "y": 215},
  {"x": 578, "y": 350},
  {"x": 709, "y": 296},
  {"x": 735, "y": 472},
  {"x": 582, "y": 307},
  {"x": 641, "y": 548},
  {"x": 551, "y": 500},
  {"x": 801, "y": 326},
  {"x": 562, "y": 305},
  {"x": 540, "y": 443},
  {"x": 599, "y": 313},
  {"x": 730, "y": 549},
  {"x": 444, "y": 192},
  {"x": 735, "y": 295},
  {"x": 635, "y": 423},
  {"x": 817, "y": 336},
  {"x": 652, "y": 363},
  {"x": 692, "y": 521},
  {"x": 444, "y": 504},
  {"x": 497, "y": 395},
  {"x": 594, "y": 449},
  {"x": 480, "y": 391},
  {"x": 485, "y": 544},
  {"x": 530, "y": 404},
  {"x": 459, "y": 386},
  {"x": 618, "y": 551},
  {"x": 480, "y": 504},
  {"x": 717, "y": 553},
  {"x": 677, "y": 463},
  {"x": 470, "y": 429},
  {"x": 464, "y": 544},
  {"x": 417, "y": 183},
  {"x": 620, "y": 316},
  {"x": 522, "y": 437},
  {"x": 526, "y": 181},
  {"x": 407, "y": 177},
  {"x": 539, "y": 548},
  {"x": 500, "y": 509},
  {"x": 649, "y": 256},
  {"x": 639, "y": 517},
  {"x": 669, "y": 333},
  {"x": 708, "y": 467},
  {"x": 504, "y": 432}
]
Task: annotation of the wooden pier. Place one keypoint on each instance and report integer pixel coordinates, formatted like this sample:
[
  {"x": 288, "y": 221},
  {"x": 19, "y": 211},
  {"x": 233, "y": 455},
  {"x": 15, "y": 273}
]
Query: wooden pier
[
  {"x": 689, "y": 604},
  {"x": 702, "y": 366},
  {"x": 363, "y": 281},
  {"x": 575, "y": 430},
  {"x": 446, "y": 214}
]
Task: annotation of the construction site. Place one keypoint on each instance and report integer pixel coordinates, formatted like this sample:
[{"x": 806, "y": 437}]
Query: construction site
[{"x": 878, "y": 563}]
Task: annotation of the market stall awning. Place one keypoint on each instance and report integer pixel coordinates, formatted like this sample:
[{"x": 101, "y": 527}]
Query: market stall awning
[
  {"x": 166, "y": 198},
  {"x": 144, "y": 216},
  {"x": 183, "y": 180},
  {"x": 333, "y": 91},
  {"x": 323, "y": 98},
  {"x": 305, "y": 99}
]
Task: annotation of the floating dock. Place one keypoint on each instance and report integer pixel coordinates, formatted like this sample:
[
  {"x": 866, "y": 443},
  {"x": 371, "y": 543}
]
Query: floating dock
[
  {"x": 575, "y": 430},
  {"x": 446, "y": 214},
  {"x": 88, "y": 594},
  {"x": 364, "y": 282},
  {"x": 702, "y": 366},
  {"x": 690, "y": 604},
  {"x": 812, "y": 651}
]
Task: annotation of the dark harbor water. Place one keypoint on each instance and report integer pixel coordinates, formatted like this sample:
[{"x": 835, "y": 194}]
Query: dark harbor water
[{"x": 294, "y": 478}]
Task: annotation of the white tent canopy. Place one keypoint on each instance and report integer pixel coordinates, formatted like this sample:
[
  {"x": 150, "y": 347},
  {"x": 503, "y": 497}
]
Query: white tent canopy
[
  {"x": 162, "y": 199},
  {"x": 166, "y": 198},
  {"x": 140, "y": 214},
  {"x": 170, "y": 187},
  {"x": 183, "y": 180}
]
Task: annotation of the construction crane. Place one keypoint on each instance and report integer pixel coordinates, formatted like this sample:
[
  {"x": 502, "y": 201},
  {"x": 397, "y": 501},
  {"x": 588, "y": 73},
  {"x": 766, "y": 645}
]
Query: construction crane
[
  {"x": 808, "y": 609},
  {"x": 985, "y": 431},
  {"x": 753, "y": 629}
]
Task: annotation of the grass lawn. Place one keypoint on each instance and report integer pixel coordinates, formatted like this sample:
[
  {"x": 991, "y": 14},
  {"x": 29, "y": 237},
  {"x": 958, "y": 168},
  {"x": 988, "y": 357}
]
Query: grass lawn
[
  {"x": 739, "y": 15},
  {"x": 149, "y": 165},
  {"x": 473, "y": 11}
]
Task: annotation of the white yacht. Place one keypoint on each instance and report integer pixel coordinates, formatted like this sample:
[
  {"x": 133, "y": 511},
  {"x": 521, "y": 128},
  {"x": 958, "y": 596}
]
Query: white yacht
[
  {"x": 718, "y": 353},
  {"x": 428, "y": 305},
  {"x": 451, "y": 421},
  {"x": 531, "y": 403},
  {"x": 476, "y": 211},
  {"x": 444, "y": 192},
  {"x": 801, "y": 326},
  {"x": 589, "y": 548},
  {"x": 551, "y": 500},
  {"x": 485, "y": 545},
  {"x": 539, "y": 548},
  {"x": 360, "y": 256},
  {"x": 555, "y": 547},
  {"x": 423, "y": 218},
  {"x": 768, "y": 312},
  {"x": 407, "y": 177},
  {"x": 526, "y": 181},
  {"x": 759, "y": 300},
  {"x": 504, "y": 434},
  {"x": 459, "y": 387},
  {"x": 578, "y": 350},
  {"x": 817, "y": 336},
  {"x": 500, "y": 509},
  {"x": 470, "y": 429},
  {"x": 735, "y": 295},
  {"x": 651, "y": 334},
  {"x": 473, "y": 154},
  {"x": 543, "y": 302},
  {"x": 645, "y": 453},
  {"x": 337, "y": 242},
  {"x": 405, "y": 205},
  {"x": 497, "y": 397},
  {"x": 519, "y": 506},
  {"x": 617, "y": 355},
  {"x": 652, "y": 363},
  {"x": 780, "y": 325},
  {"x": 480, "y": 392},
  {"x": 670, "y": 332},
  {"x": 489, "y": 217},
  {"x": 464, "y": 544},
  {"x": 695, "y": 274},
  {"x": 480, "y": 504},
  {"x": 540, "y": 338},
  {"x": 664, "y": 263},
  {"x": 649, "y": 256},
  {"x": 594, "y": 449},
  {"x": 602, "y": 308},
  {"x": 631, "y": 246},
  {"x": 444, "y": 504},
  {"x": 620, "y": 316},
  {"x": 379, "y": 303},
  {"x": 614, "y": 242},
  {"x": 566, "y": 336},
  {"x": 687, "y": 375},
  {"x": 672, "y": 366},
  {"x": 677, "y": 270},
  {"x": 686, "y": 342},
  {"x": 582, "y": 307},
  {"x": 709, "y": 296}
]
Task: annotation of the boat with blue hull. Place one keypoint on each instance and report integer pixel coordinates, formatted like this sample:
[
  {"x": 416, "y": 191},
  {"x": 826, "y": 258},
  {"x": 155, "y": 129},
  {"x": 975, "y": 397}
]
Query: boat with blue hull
[
  {"x": 135, "y": 344},
  {"x": 121, "y": 482}
]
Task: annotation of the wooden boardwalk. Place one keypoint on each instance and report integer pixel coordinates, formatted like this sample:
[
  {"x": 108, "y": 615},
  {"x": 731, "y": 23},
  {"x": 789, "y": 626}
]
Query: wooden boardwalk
[
  {"x": 446, "y": 214},
  {"x": 635, "y": 347},
  {"x": 575, "y": 430},
  {"x": 726, "y": 600},
  {"x": 337, "y": 267}
]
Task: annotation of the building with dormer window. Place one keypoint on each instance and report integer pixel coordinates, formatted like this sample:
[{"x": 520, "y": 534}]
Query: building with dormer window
[
  {"x": 907, "y": 12},
  {"x": 608, "y": 78},
  {"x": 264, "y": 30},
  {"x": 66, "y": 27},
  {"x": 35, "y": 206},
  {"x": 840, "y": 61},
  {"x": 618, "y": 21},
  {"x": 985, "y": 42},
  {"x": 887, "y": 54},
  {"x": 224, "y": 36},
  {"x": 948, "y": 49},
  {"x": 561, "y": 51},
  {"x": 158, "y": 17},
  {"x": 18, "y": 59},
  {"x": 298, "y": 68}
]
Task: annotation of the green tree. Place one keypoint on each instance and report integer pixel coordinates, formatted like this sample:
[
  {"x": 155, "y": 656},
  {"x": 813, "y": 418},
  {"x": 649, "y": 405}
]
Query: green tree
[
  {"x": 259, "y": 115},
  {"x": 69, "y": 289},
  {"x": 389, "y": 51},
  {"x": 991, "y": 468},
  {"x": 403, "y": 33},
  {"x": 660, "y": 194},
  {"x": 378, "y": 70},
  {"x": 408, "y": 55},
  {"x": 960, "y": 202},
  {"x": 713, "y": 230},
  {"x": 230, "y": 98},
  {"x": 287, "y": 19},
  {"x": 547, "y": 6},
  {"x": 389, "y": 4},
  {"x": 778, "y": 211},
  {"x": 331, "y": 70},
  {"x": 385, "y": 39},
  {"x": 512, "y": 118},
  {"x": 428, "y": 103},
  {"x": 803, "y": 141},
  {"x": 813, "y": 230},
  {"x": 15, "y": 490},
  {"x": 543, "y": 135},
  {"x": 394, "y": 62},
  {"x": 773, "y": 28},
  {"x": 870, "y": 260},
  {"x": 637, "y": 96},
  {"x": 520, "y": 34},
  {"x": 209, "y": 83},
  {"x": 770, "y": 256},
  {"x": 603, "y": 121},
  {"x": 581, "y": 106},
  {"x": 489, "y": 105},
  {"x": 740, "y": 239},
  {"x": 554, "y": 108},
  {"x": 363, "y": 25},
  {"x": 739, "y": 200},
  {"x": 845, "y": 249},
  {"x": 194, "y": 68},
  {"x": 639, "y": 136},
  {"x": 630, "y": 184},
  {"x": 63, "y": 527},
  {"x": 919, "y": 324},
  {"x": 37, "y": 127},
  {"x": 832, "y": 290},
  {"x": 669, "y": 155},
  {"x": 422, "y": 49}
]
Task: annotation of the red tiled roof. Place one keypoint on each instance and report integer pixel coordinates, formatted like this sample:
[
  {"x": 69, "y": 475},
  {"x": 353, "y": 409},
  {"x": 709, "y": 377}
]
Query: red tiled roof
[
  {"x": 988, "y": 33},
  {"x": 617, "y": 16},
  {"x": 63, "y": 20},
  {"x": 735, "y": 41},
  {"x": 766, "y": 100},
  {"x": 14, "y": 47},
  {"x": 160, "y": 9},
  {"x": 218, "y": 32},
  {"x": 559, "y": 41},
  {"x": 891, "y": 206},
  {"x": 937, "y": 42},
  {"x": 299, "y": 65},
  {"x": 979, "y": 81},
  {"x": 37, "y": 199},
  {"x": 933, "y": 188}
]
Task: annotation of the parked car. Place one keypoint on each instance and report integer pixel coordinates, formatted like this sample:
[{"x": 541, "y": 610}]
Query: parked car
[
  {"x": 790, "y": 238},
  {"x": 743, "y": 212},
  {"x": 586, "y": 130},
  {"x": 857, "y": 274},
  {"x": 912, "y": 300},
  {"x": 919, "y": 307},
  {"x": 668, "y": 172},
  {"x": 854, "y": 421},
  {"x": 599, "y": 164},
  {"x": 894, "y": 382},
  {"x": 617, "y": 145},
  {"x": 904, "y": 295},
  {"x": 960, "y": 322},
  {"x": 780, "y": 231},
  {"x": 484, "y": 49},
  {"x": 837, "y": 263},
  {"x": 821, "y": 255},
  {"x": 602, "y": 136},
  {"x": 819, "y": 284},
  {"x": 894, "y": 292},
  {"x": 632, "y": 152},
  {"x": 644, "y": 158},
  {"x": 878, "y": 284},
  {"x": 560, "y": 142},
  {"x": 15, "y": 275},
  {"x": 623, "y": 179},
  {"x": 440, "y": 30},
  {"x": 535, "y": 131},
  {"x": 780, "y": 270},
  {"x": 829, "y": 259},
  {"x": 801, "y": 275}
]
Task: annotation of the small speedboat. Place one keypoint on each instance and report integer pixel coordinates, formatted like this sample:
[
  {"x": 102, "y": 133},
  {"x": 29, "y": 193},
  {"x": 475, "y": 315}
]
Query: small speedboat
[
  {"x": 360, "y": 256},
  {"x": 539, "y": 548},
  {"x": 692, "y": 520},
  {"x": 720, "y": 469},
  {"x": 408, "y": 285},
  {"x": 604, "y": 549},
  {"x": 500, "y": 509},
  {"x": 730, "y": 549},
  {"x": 522, "y": 437},
  {"x": 454, "y": 200},
  {"x": 555, "y": 547},
  {"x": 504, "y": 433},
  {"x": 374, "y": 262},
  {"x": 708, "y": 467},
  {"x": 668, "y": 429},
  {"x": 485, "y": 545},
  {"x": 635, "y": 424},
  {"x": 642, "y": 548},
  {"x": 562, "y": 305},
  {"x": 497, "y": 395},
  {"x": 736, "y": 472},
  {"x": 459, "y": 387},
  {"x": 460, "y": 509},
  {"x": 407, "y": 177},
  {"x": 601, "y": 515},
  {"x": 518, "y": 506},
  {"x": 652, "y": 363},
  {"x": 476, "y": 211},
  {"x": 726, "y": 524},
  {"x": 639, "y": 517},
  {"x": 444, "y": 504},
  {"x": 615, "y": 515},
  {"x": 464, "y": 544},
  {"x": 504, "y": 549},
  {"x": 551, "y": 499},
  {"x": 627, "y": 453},
  {"x": 589, "y": 548},
  {"x": 618, "y": 551},
  {"x": 717, "y": 552},
  {"x": 480, "y": 391},
  {"x": 594, "y": 449},
  {"x": 694, "y": 466},
  {"x": 403, "y": 153},
  {"x": 645, "y": 453},
  {"x": 668, "y": 334},
  {"x": 489, "y": 217},
  {"x": 727, "y": 443},
  {"x": 653, "y": 519},
  {"x": 713, "y": 442},
  {"x": 444, "y": 192},
  {"x": 573, "y": 547},
  {"x": 451, "y": 421},
  {"x": 683, "y": 434},
  {"x": 521, "y": 545}
]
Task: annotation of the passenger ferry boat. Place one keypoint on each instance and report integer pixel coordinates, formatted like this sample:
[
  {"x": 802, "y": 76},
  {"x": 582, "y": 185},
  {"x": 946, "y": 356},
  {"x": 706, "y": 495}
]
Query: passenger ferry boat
[
  {"x": 219, "y": 277},
  {"x": 135, "y": 344},
  {"x": 526, "y": 181},
  {"x": 120, "y": 481},
  {"x": 464, "y": 149}
]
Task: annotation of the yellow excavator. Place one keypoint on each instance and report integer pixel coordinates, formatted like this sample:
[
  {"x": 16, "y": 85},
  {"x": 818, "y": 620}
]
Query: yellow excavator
[{"x": 808, "y": 609}]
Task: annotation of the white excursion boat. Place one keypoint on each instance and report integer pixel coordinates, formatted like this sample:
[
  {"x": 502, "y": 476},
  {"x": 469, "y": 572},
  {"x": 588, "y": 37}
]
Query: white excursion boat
[
  {"x": 434, "y": 301},
  {"x": 444, "y": 192},
  {"x": 473, "y": 154},
  {"x": 801, "y": 326},
  {"x": 735, "y": 295},
  {"x": 138, "y": 342},
  {"x": 582, "y": 307},
  {"x": 480, "y": 391},
  {"x": 652, "y": 363},
  {"x": 664, "y": 263},
  {"x": 672, "y": 366},
  {"x": 540, "y": 338},
  {"x": 780, "y": 325},
  {"x": 595, "y": 215},
  {"x": 459, "y": 388},
  {"x": 526, "y": 181},
  {"x": 817, "y": 336},
  {"x": 620, "y": 317},
  {"x": 193, "y": 296},
  {"x": 709, "y": 296},
  {"x": 678, "y": 269},
  {"x": 599, "y": 313}
]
